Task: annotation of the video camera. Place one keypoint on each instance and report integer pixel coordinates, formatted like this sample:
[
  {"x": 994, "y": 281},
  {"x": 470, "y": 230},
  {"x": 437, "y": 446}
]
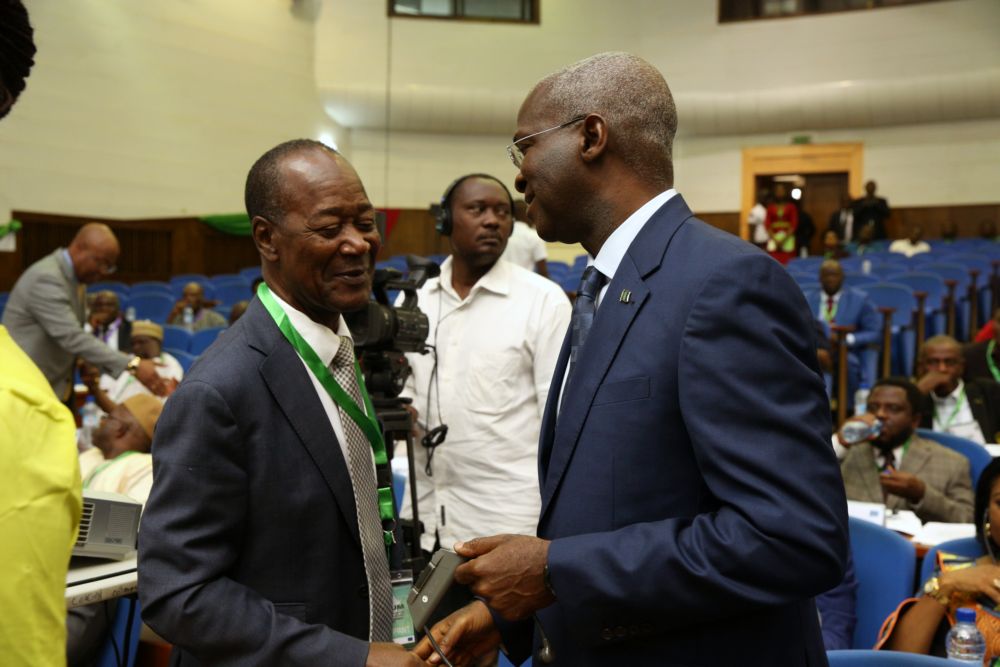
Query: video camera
[{"x": 383, "y": 332}]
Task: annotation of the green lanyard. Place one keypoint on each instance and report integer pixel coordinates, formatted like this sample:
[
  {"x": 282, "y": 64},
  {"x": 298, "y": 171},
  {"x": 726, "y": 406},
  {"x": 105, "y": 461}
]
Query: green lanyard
[
  {"x": 96, "y": 471},
  {"x": 831, "y": 314},
  {"x": 364, "y": 420},
  {"x": 954, "y": 413},
  {"x": 989, "y": 360}
]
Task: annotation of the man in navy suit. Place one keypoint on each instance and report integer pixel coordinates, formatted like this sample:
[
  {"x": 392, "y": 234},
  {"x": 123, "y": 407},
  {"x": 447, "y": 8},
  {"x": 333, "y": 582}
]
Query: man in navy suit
[
  {"x": 691, "y": 502},
  {"x": 251, "y": 545},
  {"x": 849, "y": 307}
]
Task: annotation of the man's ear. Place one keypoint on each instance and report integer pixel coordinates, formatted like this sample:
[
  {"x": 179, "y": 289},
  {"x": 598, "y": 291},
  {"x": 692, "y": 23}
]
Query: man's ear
[
  {"x": 595, "y": 137},
  {"x": 264, "y": 232}
]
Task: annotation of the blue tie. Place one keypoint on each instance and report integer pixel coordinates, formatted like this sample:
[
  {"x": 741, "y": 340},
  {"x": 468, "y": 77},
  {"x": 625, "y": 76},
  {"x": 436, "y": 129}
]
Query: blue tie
[{"x": 584, "y": 309}]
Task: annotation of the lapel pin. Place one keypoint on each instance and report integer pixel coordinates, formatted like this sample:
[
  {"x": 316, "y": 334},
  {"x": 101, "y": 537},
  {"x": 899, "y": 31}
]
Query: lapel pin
[{"x": 626, "y": 296}]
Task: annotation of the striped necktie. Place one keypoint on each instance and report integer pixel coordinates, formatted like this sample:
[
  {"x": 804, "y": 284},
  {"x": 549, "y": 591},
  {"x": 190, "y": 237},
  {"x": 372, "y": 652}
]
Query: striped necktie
[{"x": 584, "y": 310}]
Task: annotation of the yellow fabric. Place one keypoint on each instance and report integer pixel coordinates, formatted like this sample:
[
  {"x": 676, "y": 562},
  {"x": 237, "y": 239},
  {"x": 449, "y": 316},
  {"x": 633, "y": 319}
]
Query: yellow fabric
[{"x": 40, "y": 507}]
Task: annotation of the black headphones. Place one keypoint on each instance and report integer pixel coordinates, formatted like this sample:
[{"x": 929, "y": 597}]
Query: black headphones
[{"x": 443, "y": 222}]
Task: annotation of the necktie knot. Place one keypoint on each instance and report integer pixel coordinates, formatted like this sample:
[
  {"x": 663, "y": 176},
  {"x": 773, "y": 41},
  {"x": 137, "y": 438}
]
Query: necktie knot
[
  {"x": 888, "y": 460},
  {"x": 591, "y": 283}
]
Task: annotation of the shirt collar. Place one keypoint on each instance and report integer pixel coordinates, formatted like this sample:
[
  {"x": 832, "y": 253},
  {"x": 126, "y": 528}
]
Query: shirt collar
[
  {"x": 324, "y": 341},
  {"x": 614, "y": 249},
  {"x": 69, "y": 263},
  {"x": 496, "y": 280}
]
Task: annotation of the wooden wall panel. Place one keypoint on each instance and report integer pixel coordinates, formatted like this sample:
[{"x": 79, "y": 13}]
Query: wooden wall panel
[{"x": 727, "y": 222}]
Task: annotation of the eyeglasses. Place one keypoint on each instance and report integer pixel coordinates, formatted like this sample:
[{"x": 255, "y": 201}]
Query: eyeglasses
[
  {"x": 107, "y": 268},
  {"x": 517, "y": 156}
]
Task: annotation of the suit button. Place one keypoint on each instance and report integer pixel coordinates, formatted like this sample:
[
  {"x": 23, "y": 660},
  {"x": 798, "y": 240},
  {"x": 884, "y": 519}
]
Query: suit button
[
  {"x": 363, "y": 591},
  {"x": 607, "y": 635},
  {"x": 620, "y": 632}
]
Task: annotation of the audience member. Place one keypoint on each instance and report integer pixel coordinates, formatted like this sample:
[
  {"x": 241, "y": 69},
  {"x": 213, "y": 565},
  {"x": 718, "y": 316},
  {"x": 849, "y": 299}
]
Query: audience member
[
  {"x": 987, "y": 331},
  {"x": 968, "y": 409},
  {"x": 44, "y": 313},
  {"x": 237, "y": 311},
  {"x": 40, "y": 501},
  {"x": 871, "y": 211},
  {"x": 524, "y": 247},
  {"x": 119, "y": 462},
  {"x": 900, "y": 468},
  {"x": 982, "y": 359},
  {"x": 690, "y": 509},
  {"x": 487, "y": 383},
  {"x": 949, "y": 232},
  {"x": 847, "y": 307},
  {"x": 921, "y": 624},
  {"x": 781, "y": 222},
  {"x": 757, "y": 218},
  {"x": 265, "y": 497},
  {"x": 911, "y": 245},
  {"x": 106, "y": 322},
  {"x": 147, "y": 343},
  {"x": 203, "y": 315},
  {"x": 832, "y": 247},
  {"x": 804, "y": 231},
  {"x": 864, "y": 242},
  {"x": 988, "y": 230},
  {"x": 841, "y": 221}
]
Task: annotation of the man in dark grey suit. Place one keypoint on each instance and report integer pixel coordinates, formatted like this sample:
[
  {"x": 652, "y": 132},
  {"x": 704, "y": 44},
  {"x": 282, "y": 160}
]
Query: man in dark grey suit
[
  {"x": 45, "y": 312},
  {"x": 252, "y": 547}
]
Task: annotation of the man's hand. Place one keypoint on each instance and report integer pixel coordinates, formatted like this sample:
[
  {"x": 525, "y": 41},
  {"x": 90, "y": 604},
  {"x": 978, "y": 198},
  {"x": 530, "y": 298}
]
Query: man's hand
[
  {"x": 931, "y": 380},
  {"x": 508, "y": 571},
  {"x": 387, "y": 654},
  {"x": 903, "y": 484},
  {"x": 90, "y": 376},
  {"x": 146, "y": 374},
  {"x": 465, "y": 636}
]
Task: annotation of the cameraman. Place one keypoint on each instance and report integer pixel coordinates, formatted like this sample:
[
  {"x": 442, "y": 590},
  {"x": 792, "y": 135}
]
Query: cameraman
[{"x": 495, "y": 332}]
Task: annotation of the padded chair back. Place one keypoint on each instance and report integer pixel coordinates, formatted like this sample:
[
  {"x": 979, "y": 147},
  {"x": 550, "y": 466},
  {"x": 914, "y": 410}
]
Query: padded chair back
[
  {"x": 186, "y": 359},
  {"x": 201, "y": 340},
  {"x": 231, "y": 292},
  {"x": 979, "y": 457},
  {"x": 177, "y": 338},
  {"x": 893, "y": 295},
  {"x": 951, "y": 271},
  {"x": 250, "y": 273},
  {"x": 150, "y": 306},
  {"x": 870, "y": 658},
  {"x": 966, "y": 546},
  {"x": 922, "y": 281},
  {"x": 119, "y": 288},
  {"x": 151, "y": 287},
  {"x": 123, "y": 641},
  {"x": 852, "y": 279},
  {"x": 886, "y": 563}
]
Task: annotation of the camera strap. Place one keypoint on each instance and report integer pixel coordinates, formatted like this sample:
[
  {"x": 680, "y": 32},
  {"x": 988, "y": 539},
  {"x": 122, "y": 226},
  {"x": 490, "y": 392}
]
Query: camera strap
[{"x": 364, "y": 419}]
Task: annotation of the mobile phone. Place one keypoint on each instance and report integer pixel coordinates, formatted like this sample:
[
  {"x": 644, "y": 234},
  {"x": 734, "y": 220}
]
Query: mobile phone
[{"x": 431, "y": 586}]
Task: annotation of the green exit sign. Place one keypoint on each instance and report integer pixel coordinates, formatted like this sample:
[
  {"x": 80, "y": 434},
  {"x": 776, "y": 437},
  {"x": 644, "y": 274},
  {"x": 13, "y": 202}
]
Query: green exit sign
[{"x": 802, "y": 139}]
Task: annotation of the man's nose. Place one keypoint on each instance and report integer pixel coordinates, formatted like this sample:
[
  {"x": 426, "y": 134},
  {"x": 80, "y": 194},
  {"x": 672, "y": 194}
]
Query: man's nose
[
  {"x": 356, "y": 242},
  {"x": 520, "y": 183}
]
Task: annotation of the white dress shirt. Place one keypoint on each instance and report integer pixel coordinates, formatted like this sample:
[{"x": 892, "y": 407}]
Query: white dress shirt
[
  {"x": 325, "y": 343},
  {"x": 908, "y": 248},
  {"x": 127, "y": 385},
  {"x": 961, "y": 423},
  {"x": 524, "y": 247},
  {"x": 496, "y": 351}
]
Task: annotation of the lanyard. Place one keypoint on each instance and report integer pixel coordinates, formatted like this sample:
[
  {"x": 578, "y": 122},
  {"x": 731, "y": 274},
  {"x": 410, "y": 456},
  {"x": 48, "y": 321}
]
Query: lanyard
[
  {"x": 954, "y": 413},
  {"x": 365, "y": 421},
  {"x": 96, "y": 471},
  {"x": 989, "y": 360}
]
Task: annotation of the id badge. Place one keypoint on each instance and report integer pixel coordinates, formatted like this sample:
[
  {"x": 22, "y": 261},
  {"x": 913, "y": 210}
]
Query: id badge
[{"x": 402, "y": 622}]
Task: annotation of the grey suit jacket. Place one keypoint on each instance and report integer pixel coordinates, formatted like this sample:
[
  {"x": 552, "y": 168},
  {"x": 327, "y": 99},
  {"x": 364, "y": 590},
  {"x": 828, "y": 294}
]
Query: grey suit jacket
[
  {"x": 249, "y": 552},
  {"x": 949, "y": 496},
  {"x": 44, "y": 316}
]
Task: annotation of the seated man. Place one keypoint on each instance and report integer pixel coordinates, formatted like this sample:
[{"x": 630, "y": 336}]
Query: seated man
[
  {"x": 970, "y": 410},
  {"x": 204, "y": 316},
  {"x": 146, "y": 343},
  {"x": 982, "y": 359},
  {"x": 911, "y": 245},
  {"x": 119, "y": 462},
  {"x": 844, "y": 306},
  {"x": 106, "y": 322},
  {"x": 902, "y": 469}
]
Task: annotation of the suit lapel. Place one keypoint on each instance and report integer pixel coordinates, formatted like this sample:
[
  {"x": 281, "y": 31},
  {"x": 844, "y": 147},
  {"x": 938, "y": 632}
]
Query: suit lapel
[
  {"x": 293, "y": 391},
  {"x": 547, "y": 434},
  {"x": 865, "y": 469}
]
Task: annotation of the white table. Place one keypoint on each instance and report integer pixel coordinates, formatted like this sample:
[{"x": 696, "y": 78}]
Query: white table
[{"x": 91, "y": 580}]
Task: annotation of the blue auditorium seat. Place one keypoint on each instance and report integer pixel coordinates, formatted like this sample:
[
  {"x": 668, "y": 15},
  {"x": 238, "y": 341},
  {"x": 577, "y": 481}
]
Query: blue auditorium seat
[
  {"x": 201, "y": 340},
  {"x": 186, "y": 359},
  {"x": 886, "y": 564},
  {"x": 150, "y": 306},
  {"x": 176, "y": 337}
]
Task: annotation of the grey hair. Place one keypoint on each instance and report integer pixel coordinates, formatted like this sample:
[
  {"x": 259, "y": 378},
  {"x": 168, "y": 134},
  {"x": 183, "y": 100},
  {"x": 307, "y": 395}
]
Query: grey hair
[{"x": 632, "y": 96}]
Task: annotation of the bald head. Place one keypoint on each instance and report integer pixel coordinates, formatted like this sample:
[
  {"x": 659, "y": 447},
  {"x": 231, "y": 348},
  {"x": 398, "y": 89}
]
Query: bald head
[
  {"x": 633, "y": 98},
  {"x": 94, "y": 251}
]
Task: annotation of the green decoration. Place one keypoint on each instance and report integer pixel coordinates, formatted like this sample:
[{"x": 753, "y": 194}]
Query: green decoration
[
  {"x": 10, "y": 228},
  {"x": 236, "y": 224}
]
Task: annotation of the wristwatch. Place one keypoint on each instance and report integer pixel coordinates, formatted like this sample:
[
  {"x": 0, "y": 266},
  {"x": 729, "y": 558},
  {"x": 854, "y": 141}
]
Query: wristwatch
[
  {"x": 933, "y": 589},
  {"x": 133, "y": 365}
]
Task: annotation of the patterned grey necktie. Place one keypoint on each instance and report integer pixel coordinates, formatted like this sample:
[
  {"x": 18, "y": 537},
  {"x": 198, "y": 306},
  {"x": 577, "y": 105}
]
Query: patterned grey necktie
[
  {"x": 584, "y": 310},
  {"x": 359, "y": 455}
]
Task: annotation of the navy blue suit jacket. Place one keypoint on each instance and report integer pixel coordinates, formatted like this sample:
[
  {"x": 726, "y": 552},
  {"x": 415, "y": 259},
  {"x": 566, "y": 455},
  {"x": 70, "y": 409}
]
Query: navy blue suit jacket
[
  {"x": 249, "y": 552},
  {"x": 688, "y": 484},
  {"x": 855, "y": 309}
]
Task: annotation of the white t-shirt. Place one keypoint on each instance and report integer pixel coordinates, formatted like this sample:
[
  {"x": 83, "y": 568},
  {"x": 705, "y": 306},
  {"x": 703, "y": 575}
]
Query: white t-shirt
[
  {"x": 496, "y": 352},
  {"x": 524, "y": 247},
  {"x": 906, "y": 247}
]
